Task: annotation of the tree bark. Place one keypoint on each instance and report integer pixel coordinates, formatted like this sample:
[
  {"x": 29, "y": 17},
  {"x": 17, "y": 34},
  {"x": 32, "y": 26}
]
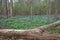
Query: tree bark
[
  {"x": 56, "y": 9},
  {"x": 48, "y": 9},
  {"x": 9, "y": 7},
  {"x": 31, "y": 9},
  {"x": 0, "y": 7},
  {"x": 4, "y": 7},
  {"x": 36, "y": 33}
]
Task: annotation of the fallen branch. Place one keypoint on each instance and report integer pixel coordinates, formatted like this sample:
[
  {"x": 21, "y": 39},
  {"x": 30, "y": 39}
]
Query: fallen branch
[
  {"x": 42, "y": 28},
  {"x": 36, "y": 33}
]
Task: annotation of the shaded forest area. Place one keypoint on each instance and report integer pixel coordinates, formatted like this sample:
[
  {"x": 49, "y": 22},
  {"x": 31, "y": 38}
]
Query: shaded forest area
[
  {"x": 29, "y": 7},
  {"x": 36, "y": 18}
]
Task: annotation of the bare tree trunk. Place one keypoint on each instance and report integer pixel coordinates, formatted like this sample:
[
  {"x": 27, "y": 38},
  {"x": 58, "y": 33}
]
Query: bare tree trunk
[
  {"x": 31, "y": 9},
  {"x": 4, "y": 6},
  {"x": 9, "y": 6},
  {"x": 48, "y": 9},
  {"x": 56, "y": 9},
  {"x": 0, "y": 7},
  {"x": 36, "y": 33}
]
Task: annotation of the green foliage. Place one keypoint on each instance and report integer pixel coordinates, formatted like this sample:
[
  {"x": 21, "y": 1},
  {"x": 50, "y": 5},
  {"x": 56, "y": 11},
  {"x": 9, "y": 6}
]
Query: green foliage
[
  {"x": 0, "y": 8},
  {"x": 25, "y": 22},
  {"x": 37, "y": 5}
]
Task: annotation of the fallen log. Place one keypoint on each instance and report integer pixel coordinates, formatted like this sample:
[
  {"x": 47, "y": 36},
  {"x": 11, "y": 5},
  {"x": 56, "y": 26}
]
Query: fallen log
[{"x": 36, "y": 33}]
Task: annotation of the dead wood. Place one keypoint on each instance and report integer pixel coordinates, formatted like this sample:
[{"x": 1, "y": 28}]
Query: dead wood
[{"x": 36, "y": 33}]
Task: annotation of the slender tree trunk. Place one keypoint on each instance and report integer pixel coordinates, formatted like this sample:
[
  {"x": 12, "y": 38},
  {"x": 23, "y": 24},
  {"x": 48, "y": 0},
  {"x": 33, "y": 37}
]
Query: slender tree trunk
[
  {"x": 0, "y": 7},
  {"x": 48, "y": 9},
  {"x": 56, "y": 9},
  {"x": 31, "y": 9},
  {"x": 4, "y": 6},
  {"x": 9, "y": 6}
]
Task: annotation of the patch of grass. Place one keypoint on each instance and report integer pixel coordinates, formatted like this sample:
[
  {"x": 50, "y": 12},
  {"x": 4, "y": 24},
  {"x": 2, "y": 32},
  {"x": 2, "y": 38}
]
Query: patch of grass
[{"x": 26, "y": 22}]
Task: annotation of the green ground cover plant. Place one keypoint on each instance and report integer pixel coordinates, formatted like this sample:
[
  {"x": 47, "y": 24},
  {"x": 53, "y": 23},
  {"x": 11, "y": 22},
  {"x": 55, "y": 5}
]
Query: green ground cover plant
[{"x": 26, "y": 22}]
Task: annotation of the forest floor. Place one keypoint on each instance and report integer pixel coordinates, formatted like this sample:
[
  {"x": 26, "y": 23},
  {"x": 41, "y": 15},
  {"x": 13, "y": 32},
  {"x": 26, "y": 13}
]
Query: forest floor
[{"x": 28, "y": 22}]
